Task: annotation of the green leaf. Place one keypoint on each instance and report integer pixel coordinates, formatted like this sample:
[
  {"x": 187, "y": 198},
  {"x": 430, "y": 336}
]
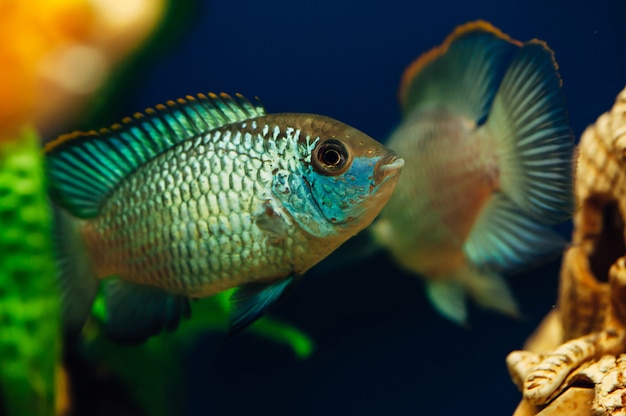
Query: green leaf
[{"x": 29, "y": 310}]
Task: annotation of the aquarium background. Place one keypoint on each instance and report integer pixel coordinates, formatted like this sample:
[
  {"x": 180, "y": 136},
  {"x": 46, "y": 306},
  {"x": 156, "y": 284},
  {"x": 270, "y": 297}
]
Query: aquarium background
[{"x": 380, "y": 347}]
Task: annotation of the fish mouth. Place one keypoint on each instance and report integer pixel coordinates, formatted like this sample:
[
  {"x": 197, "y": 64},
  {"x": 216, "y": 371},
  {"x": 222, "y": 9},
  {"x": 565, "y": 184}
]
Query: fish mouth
[{"x": 387, "y": 167}]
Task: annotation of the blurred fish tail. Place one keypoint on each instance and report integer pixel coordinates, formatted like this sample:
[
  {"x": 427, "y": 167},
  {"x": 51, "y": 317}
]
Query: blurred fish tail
[{"x": 78, "y": 283}]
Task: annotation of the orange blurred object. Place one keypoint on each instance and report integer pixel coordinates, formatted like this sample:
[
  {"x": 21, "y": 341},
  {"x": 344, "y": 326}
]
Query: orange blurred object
[{"x": 56, "y": 53}]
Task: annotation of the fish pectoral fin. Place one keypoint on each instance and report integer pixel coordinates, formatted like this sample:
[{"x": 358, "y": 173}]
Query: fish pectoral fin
[
  {"x": 448, "y": 298},
  {"x": 250, "y": 301},
  {"x": 137, "y": 312},
  {"x": 272, "y": 222}
]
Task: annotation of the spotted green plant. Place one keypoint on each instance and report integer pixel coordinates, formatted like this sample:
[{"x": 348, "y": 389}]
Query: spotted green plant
[{"x": 29, "y": 308}]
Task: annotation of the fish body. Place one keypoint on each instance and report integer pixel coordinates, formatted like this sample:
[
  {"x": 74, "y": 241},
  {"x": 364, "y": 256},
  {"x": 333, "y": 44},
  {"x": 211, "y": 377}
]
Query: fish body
[
  {"x": 252, "y": 201},
  {"x": 452, "y": 179},
  {"x": 489, "y": 154}
]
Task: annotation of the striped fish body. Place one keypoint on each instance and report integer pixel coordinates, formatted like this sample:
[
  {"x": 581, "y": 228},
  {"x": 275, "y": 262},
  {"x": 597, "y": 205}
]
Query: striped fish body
[{"x": 203, "y": 195}]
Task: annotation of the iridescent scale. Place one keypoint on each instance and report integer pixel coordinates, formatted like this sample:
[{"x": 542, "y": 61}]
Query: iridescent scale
[{"x": 186, "y": 221}]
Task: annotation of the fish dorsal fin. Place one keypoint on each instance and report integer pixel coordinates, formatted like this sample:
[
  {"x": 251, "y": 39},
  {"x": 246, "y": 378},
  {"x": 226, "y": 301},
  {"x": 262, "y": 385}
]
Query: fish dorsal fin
[
  {"x": 460, "y": 75},
  {"x": 84, "y": 167}
]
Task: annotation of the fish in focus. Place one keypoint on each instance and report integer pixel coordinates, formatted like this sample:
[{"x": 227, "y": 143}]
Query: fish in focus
[
  {"x": 489, "y": 153},
  {"x": 202, "y": 195}
]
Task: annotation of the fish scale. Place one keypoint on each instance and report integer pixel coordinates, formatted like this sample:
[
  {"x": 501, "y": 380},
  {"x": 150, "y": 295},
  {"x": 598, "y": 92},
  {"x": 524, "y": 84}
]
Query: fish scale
[{"x": 171, "y": 265}]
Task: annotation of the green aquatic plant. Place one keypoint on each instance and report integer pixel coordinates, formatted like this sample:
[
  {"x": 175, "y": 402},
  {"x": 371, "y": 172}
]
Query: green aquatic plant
[
  {"x": 157, "y": 365},
  {"x": 29, "y": 310},
  {"x": 29, "y": 306}
]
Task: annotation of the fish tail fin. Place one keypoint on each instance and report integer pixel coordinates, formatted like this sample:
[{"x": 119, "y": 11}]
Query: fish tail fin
[
  {"x": 529, "y": 134},
  {"x": 487, "y": 289},
  {"x": 78, "y": 284}
]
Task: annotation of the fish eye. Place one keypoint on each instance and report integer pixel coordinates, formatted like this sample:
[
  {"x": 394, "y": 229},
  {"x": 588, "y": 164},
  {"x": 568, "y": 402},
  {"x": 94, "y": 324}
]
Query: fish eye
[{"x": 331, "y": 157}]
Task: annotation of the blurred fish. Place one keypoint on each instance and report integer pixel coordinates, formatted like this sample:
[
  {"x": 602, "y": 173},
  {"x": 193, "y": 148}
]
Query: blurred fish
[
  {"x": 489, "y": 153},
  {"x": 203, "y": 195}
]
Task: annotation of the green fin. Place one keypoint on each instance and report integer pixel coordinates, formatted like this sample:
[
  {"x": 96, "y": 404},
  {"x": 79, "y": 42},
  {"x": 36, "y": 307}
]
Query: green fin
[
  {"x": 252, "y": 300},
  {"x": 448, "y": 298},
  {"x": 84, "y": 167},
  {"x": 528, "y": 129},
  {"x": 461, "y": 75},
  {"x": 136, "y": 312},
  {"x": 77, "y": 282},
  {"x": 503, "y": 238}
]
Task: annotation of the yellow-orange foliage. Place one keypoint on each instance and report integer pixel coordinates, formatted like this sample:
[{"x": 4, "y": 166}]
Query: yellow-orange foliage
[{"x": 29, "y": 31}]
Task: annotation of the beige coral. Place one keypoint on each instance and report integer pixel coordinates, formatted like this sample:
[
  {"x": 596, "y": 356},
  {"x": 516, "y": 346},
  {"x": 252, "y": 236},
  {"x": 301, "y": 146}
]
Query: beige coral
[{"x": 575, "y": 363}]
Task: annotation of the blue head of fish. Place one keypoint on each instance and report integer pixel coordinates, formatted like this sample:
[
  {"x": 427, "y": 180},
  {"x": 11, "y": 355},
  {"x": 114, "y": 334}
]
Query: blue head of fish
[{"x": 345, "y": 179}]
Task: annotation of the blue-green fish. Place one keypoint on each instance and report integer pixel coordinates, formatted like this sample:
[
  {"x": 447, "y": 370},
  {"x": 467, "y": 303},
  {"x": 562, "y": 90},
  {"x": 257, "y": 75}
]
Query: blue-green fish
[
  {"x": 489, "y": 155},
  {"x": 202, "y": 195}
]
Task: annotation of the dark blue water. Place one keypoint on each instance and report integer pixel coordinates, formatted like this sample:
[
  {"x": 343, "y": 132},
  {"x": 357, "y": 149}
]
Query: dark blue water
[{"x": 381, "y": 349}]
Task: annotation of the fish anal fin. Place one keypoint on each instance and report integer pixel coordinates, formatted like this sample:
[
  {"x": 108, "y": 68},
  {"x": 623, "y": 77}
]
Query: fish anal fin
[
  {"x": 250, "y": 301},
  {"x": 135, "y": 312},
  {"x": 272, "y": 222}
]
